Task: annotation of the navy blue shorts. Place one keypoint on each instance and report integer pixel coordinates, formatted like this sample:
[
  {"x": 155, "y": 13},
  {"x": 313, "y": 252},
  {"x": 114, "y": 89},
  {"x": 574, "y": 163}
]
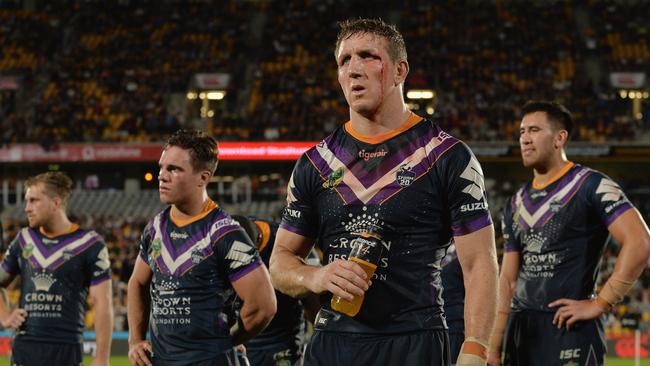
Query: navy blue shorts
[
  {"x": 425, "y": 348},
  {"x": 276, "y": 357},
  {"x": 531, "y": 339},
  {"x": 30, "y": 353},
  {"x": 225, "y": 359},
  {"x": 455, "y": 343}
]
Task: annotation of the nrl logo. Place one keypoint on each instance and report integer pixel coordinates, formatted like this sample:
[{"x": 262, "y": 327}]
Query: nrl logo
[
  {"x": 405, "y": 176},
  {"x": 28, "y": 250},
  {"x": 334, "y": 179},
  {"x": 156, "y": 246}
]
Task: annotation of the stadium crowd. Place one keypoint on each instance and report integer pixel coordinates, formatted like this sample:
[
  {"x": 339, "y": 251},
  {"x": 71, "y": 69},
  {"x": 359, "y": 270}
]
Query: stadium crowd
[{"x": 114, "y": 78}]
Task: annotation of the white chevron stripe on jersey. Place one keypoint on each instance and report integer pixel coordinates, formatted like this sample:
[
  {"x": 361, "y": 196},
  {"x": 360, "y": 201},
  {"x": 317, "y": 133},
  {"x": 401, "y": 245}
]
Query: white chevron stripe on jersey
[
  {"x": 240, "y": 254},
  {"x": 173, "y": 264},
  {"x": 532, "y": 219},
  {"x": 611, "y": 190},
  {"x": 43, "y": 260},
  {"x": 366, "y": 194}
]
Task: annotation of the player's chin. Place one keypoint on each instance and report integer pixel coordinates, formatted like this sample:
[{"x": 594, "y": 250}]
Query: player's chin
[{"x": 165, "y": 197}]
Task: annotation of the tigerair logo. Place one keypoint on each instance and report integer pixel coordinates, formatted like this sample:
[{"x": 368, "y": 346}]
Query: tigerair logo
[
  {"x": 174, "y": 235},
  {"x": 334, "y": 179},
  {"x": 371, "y": 155}
]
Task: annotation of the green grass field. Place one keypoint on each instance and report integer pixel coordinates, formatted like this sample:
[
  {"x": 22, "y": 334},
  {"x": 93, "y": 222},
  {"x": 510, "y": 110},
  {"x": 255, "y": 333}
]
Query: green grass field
[{"x": 124, "y": 361}]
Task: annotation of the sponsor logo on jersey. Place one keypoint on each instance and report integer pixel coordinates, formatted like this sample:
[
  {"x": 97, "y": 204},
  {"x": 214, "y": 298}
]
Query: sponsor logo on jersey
[
  {"x": 365, "y": 155},
  {"x": 240, "y": 254},
  {"x": 609, "y": 190},
  {"x": 534, "y": 242},
  {"x": 538, "y": 194},
  {"x": 293, "y": 213},
  {"x": 473, "y": 206},
  {"x": 474, "y": 174},
  {"x": 334, "y": 179},
  {"x": 49, "y": 241},
  {"x": 103, "y": 262},
  {"x": 175, "y": 236},
  {"x": 43, "y": 281},
  {"x": 405, "y": 175}
]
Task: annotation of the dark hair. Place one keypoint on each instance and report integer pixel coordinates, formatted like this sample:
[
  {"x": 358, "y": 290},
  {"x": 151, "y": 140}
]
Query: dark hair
[
  {"x": 249, "y": 227},
  {"x": 350, "y": 27},
  {"x": 204, "y": 151},
  {"x": 55, "y": 184},
  {"x": 555, "y": 112}
]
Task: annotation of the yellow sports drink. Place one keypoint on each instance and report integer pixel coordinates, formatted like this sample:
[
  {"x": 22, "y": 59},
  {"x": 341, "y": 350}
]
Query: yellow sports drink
[
  {"x": 351, "y": 308},
  {"x": 366, "y": 252}
]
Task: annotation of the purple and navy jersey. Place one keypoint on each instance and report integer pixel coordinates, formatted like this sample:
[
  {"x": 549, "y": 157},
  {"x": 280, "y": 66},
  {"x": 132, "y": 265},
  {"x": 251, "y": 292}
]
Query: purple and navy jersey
[
  {"x": 560, "y": 232},
  {"x": 193, "y": 266},
  {"x": 287, "y": 329},
  {"x": 56, "y": 274},
  {"x": 417, "y": 187}
]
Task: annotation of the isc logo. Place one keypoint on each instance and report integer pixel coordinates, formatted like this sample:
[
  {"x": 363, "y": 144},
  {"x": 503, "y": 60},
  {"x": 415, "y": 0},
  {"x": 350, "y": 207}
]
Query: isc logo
[{"x": 567, "y": 354}]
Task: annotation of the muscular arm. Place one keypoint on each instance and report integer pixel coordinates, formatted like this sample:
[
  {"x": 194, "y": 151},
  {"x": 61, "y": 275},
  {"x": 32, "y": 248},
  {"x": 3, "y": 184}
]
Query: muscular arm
[
  {"x": 138, "y": 306},
  {"x": 507, "y": 284},
  {"x": 11, "y": 319},
  {"x": 477, "y": 255},
  {"x": 102, "y": 296},
  {"x": 632, "y": 233},
  {"x": 259, "y": 304},
  {"x": 292, "y": 276}
]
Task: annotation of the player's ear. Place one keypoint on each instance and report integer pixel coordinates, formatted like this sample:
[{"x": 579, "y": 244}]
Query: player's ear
[
  {"x": 204, "y": 178},
  {"x": 401, "y": 71},
  {"x": 561, "y": 139}
]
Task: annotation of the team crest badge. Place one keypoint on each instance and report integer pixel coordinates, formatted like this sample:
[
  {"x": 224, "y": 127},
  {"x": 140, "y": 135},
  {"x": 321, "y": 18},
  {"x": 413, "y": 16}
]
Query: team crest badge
[
  {"x": 67, "y": 254},
  {"x": 334, "y": 179},
  {"x": 196, "y": 256},
  {"x": 555, "y": 205},
  {"x": 405, "y": 176},
  {"x": 28, "y": 250}
]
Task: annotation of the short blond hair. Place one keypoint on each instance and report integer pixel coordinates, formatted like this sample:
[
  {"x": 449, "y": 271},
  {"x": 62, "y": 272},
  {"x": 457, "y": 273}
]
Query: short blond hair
[{"x": 55, "y": 184}]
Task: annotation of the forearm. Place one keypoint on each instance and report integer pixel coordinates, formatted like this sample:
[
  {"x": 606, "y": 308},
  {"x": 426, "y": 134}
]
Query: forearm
[
  {"x": 506, "y": 290},
  {"x": 630, "y": 263},
  {"x": 480, "y": 300},
  {"x": 5, "y": 311},
  {"x": 291, "y": 275},
  {"x": 250, "y": 323},
  {"x": 137, "y": 312},
  {"x": 103, "y": 329}
]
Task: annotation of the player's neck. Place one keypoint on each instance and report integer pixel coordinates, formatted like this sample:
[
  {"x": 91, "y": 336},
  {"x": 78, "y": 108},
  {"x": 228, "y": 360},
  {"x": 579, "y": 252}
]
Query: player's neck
[
  {"x": 543, "y": 176},
  {"x": 57, "y": 225},
  {"x": 193, "y": 207},
  {"x": 382, "y": 122}
]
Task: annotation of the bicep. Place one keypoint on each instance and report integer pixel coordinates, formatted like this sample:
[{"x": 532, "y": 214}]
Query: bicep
[
  {"x": 255, "y": 287},
  {"x": 476, "y": 246},
  {"x": 142, "y": 273},
  {"x": 287, "y": 242},
  {"x": 629, "y": 227},
  {"x": 101, "y": 292}
]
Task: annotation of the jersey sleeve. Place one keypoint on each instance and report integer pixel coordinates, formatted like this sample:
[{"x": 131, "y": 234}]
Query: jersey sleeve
[
  {"x": 465, "y": 189},
  {"x": 607, "y": 197},
  {"x": 236, "y": 254},
  {"x": 10, "y": 260},
  {"x": 300, "y": 214},
  {"x": 98, "y": 263},
  {"x": 510, "y": 239},
  {"x": 144, "y": 243}
]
